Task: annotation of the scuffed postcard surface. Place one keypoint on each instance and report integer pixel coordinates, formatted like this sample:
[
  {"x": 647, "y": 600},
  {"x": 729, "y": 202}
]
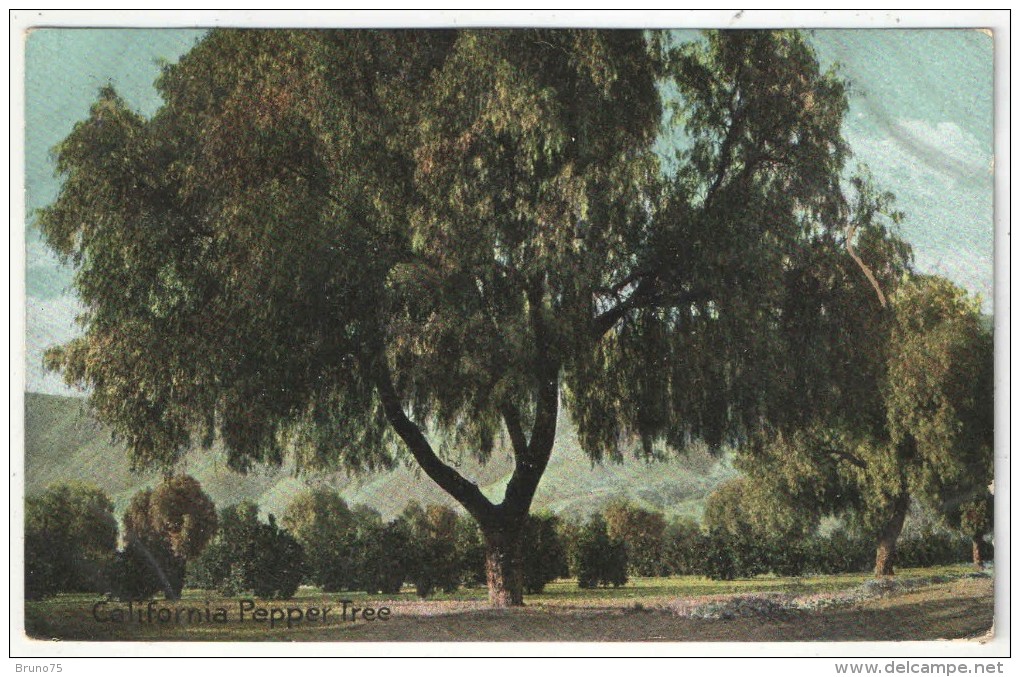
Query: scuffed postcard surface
[{"x": 495, "y": 335}]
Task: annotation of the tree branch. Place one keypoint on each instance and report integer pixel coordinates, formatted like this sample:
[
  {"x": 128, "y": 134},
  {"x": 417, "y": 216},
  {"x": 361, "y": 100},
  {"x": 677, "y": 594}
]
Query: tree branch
[
  {"x": 852, "y": 459},
  {"x": 647, "y": 295},
  {"x": 531, "y": 460},
  {"x": 608, "y": 319},
  {"x": 867, "y": 271},
  {"x": 726, "y": 149},
  {"x": 512, "y": 419},
  {"x": 464, "y": 491}
]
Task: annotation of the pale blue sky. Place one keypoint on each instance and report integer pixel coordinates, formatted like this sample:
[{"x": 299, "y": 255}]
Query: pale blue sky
[{"x": 920, "y": 118}]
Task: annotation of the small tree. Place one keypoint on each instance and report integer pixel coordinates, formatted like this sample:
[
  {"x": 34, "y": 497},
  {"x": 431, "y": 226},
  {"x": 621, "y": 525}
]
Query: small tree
[
  {"x": 683, "y": 548},
  {"x": 642, "y": 531},
  {"x": 545, "y": 560},
  {"x": 324, "y": 526},
  {"x": 976, "y": 521},
  {"x": 249, "y": 556},
  {"x": 384, "y": 555},
  {"x": 70, "y": 540},
  {"x": 733, "y": 546},
  {"x": 597, "y": 559},
  {"x": 434, "y": 563},
  {"x": 277, "y": 566},
  {"x": 164, "y": 528},
  {"x": 920, "y": 426},
  {"x": 146, "y": 566},
  {"x": 750, "y": 533}
]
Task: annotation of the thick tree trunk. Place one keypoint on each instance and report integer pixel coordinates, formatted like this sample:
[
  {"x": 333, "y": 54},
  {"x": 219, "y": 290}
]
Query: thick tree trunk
[
  {"x": 504, "y": 567},
  {"x": 885, "y": 556},
  {"x": 978, "y": 551}
]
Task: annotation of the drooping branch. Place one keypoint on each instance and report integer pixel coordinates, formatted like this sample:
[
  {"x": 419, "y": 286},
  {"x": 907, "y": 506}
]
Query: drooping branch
[
  {"x": 649, "y": 294},
  {"x": 852, "y": 459},
  {"x": 867, "y": 271},
  {"x": 733, "y": 132},
  {"x": 464, "y": 491}
]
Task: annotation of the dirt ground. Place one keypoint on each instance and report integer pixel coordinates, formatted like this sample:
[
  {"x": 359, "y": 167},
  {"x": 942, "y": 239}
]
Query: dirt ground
[
  {"x": 958, "y": 610},
  {"x": 961, "y": 608}
]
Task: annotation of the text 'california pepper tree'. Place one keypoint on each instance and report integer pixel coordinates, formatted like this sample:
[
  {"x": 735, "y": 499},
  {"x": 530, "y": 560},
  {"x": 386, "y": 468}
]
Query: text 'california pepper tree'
[{"x": 344, "y": 244}]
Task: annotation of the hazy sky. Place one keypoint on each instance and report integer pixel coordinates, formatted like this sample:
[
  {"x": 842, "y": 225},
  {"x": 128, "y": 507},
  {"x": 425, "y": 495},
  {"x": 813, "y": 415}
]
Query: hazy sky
[{"x": 920, "y": 118}]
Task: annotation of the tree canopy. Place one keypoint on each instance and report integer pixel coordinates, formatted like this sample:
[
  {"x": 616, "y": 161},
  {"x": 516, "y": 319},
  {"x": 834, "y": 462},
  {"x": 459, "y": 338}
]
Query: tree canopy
[
  {"x": 926, "y": 431},
  {"x": 326, "y": 241}
]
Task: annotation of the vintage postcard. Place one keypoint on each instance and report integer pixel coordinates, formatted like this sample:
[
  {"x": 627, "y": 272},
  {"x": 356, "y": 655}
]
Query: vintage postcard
[{"x": 647, "y": 330}]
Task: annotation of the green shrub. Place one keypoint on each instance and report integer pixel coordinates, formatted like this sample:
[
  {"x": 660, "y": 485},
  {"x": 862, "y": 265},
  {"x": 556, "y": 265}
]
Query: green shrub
[
  {"x": 433, "y": 562},
  {"x": 642, "y": 531},
  {"x": 144, "y": 568},
  {"x": 382, "y": 557},
  {"x": 325, "y": 527},
  {"x": 931, "y": 547},
  {"x": 249, "y": 556},
  {"x": 597, "y": 559},
  {"x": 683, "y": 548},
  {"x": 470, "y": 552},
  {"x": 545, "y": 557},
  {"x": 70, "y": 540}
]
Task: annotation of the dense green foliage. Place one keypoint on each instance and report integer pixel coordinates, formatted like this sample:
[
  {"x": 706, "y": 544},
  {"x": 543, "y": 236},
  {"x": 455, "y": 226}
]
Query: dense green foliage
[
  {"x": 924, "y": 432},
  {"x": 744, "y": 534},
  {"x": 144, "y": 567},
  {"x": 329, "y": 169},
  {"x": 349, "y": 549},
  {"x": 70, "y": 540},
  {"x": 683, "y": 548},
  {"x": 595, "y": 558},
  {"x": 642, "y": 531},
  {"x": 249, "y": 556},
  {"x": 325, "y": 527},
  {"x": 326, "y": 241},
  {"x": 469, "y": 542},
  {"x": 749, "y": 533},
  {"x": 384, "y": 556},
  {"x": 545, "y": 558},
  {"x": 434, "y": 564}
]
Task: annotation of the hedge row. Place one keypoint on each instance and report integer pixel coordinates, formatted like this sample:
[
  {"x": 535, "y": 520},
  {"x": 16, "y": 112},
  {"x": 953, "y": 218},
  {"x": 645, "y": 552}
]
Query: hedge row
[{"x": 173, "y": 537}]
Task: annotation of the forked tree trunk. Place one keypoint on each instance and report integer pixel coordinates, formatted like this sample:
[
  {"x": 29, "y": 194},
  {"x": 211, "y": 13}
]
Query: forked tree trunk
[
  {"x": 885, "y": 556},
  {"x": 502, "y": 525},
  {"x": 504, "y": 567}
]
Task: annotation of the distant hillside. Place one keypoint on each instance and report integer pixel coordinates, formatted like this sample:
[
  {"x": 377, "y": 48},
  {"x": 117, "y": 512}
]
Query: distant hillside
[{"x": 62, "y": 442}]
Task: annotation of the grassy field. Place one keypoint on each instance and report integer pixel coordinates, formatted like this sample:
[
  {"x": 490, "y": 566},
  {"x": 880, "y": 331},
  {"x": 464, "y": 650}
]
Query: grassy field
[{"x": 651, "y": 609}]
